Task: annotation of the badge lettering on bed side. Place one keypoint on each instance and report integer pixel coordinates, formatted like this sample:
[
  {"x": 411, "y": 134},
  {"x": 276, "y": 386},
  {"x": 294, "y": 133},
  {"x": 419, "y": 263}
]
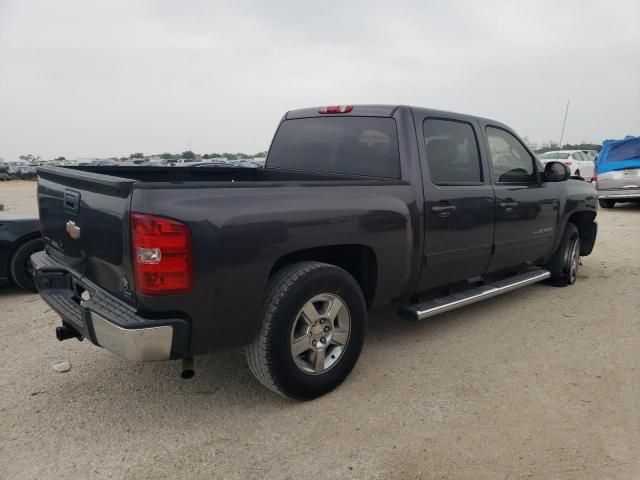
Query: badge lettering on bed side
[{"x": 73, "y": 230}]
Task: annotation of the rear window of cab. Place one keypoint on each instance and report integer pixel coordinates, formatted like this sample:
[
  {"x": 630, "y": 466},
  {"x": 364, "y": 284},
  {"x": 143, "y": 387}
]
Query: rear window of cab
[{"x": 366, "y": 146}]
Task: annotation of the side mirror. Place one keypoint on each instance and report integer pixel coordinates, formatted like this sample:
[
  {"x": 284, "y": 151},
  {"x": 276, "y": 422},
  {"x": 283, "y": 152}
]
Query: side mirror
[{"x": 556, "y": 172}]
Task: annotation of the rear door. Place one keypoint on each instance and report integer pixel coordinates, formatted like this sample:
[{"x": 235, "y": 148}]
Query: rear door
[
  {"x": 458, "y": 205},
  {"x": 526, "y": 210},
  {"x": 85, "y": 223}
]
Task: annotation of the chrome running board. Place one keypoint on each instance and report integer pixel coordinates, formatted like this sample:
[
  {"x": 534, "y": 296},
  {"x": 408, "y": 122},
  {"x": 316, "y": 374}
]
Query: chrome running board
[{"x": 428, "y": 309}]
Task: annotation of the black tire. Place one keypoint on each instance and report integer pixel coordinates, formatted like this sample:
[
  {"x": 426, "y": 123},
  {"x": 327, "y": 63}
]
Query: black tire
[
  {"x": 606, "y": 203},
  {"x": 566, "y": 260},
  {"x": 20, "y": 264},
  {"x": 270, "y": 356}
]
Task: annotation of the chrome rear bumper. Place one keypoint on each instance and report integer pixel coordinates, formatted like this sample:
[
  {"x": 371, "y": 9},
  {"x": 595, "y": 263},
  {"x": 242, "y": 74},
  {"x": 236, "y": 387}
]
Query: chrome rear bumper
[
  {"x": 105, "y": 320},
  {"x": 619, "y": 194},
  {"x": 141, "y": 344}
]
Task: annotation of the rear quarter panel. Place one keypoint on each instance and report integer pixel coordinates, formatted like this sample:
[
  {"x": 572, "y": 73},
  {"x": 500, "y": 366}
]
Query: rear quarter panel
[{"x": 240, "y": 232}]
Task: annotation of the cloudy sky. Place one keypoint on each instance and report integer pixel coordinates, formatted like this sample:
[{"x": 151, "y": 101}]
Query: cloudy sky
[{"x": 85, "y": 79}]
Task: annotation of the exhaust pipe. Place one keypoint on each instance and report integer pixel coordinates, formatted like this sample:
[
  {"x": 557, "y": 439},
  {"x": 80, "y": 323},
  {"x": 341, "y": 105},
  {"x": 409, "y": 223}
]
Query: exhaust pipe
[
  {"x": 186, "y": 368},
  {"x": 65, "y": 333}
]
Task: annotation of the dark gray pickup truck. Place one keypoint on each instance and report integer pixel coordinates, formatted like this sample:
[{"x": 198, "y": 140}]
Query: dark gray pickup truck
[{"x": 359, "y": 207}]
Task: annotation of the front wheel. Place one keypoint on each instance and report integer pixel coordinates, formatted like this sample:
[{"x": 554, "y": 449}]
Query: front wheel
[
  {"x": 312, "y": 331},
  {"x": 566, "y": 260}
]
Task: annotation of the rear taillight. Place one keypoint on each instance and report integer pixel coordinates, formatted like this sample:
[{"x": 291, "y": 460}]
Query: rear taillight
[
  {"x": 162, "y": 255},
  {"x": 336, "y": 109}
]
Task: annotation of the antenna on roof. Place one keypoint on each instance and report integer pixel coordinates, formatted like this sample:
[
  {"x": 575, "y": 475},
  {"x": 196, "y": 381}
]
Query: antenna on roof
[{"x": 566, "y": 112}]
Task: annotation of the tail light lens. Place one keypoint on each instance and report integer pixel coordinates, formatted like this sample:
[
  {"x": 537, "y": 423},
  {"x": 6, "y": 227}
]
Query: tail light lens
[{"x": 162, "y": 255}]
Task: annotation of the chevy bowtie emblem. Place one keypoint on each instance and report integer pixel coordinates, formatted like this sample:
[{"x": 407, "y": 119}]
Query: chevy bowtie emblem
[{"x": 73, "y": 230}]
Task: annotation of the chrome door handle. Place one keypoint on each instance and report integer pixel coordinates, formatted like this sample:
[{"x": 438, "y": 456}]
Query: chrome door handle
[
  {"x": 508, "y": 206},
  {"x": 443, "y": 210}
]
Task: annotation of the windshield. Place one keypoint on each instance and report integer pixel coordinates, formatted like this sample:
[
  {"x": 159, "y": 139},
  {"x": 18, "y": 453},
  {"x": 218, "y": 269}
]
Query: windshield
[
  {"x": 554, "y": 155},
  {"x": 349, "y": 145}
]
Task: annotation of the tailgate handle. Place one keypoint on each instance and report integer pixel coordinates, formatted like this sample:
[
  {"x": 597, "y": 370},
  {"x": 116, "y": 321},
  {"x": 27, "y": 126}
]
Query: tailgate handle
[{"x": 71, "y": 201}]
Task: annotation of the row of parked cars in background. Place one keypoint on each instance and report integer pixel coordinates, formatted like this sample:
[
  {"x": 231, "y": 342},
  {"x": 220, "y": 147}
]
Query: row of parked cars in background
[
  {"x": 13, "y": 170},
  {"x": 580, "y": 162},
  {"x": 614, "y": 171},
  {"x": 25, "y": 171},
  {"x": 257, "y": 162}
]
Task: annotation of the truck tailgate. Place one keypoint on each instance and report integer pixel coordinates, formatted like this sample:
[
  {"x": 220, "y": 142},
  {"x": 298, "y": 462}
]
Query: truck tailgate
[{"x": 85, "y": 224}]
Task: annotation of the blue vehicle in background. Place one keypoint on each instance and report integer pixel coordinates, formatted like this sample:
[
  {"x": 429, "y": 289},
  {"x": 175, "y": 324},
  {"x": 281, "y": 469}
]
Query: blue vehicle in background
[{"x": 617, "y": 176}]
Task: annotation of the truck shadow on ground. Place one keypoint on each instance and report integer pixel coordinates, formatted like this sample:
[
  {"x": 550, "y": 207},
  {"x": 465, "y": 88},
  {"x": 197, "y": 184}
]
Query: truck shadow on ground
[
  {"x": 223, "y": 378},
  {"x": 11, "y": 289},
  {"x": 223, "y": 381}
]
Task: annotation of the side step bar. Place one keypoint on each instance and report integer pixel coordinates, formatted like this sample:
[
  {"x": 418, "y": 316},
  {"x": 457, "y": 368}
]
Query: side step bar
[{"x": 428, "y": 309}]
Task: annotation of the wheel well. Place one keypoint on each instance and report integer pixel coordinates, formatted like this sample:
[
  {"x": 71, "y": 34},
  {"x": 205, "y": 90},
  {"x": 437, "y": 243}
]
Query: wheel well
[
  {"x": 358, "y": 260},
  {"x": 17, "y": 244},
  {"x": 586, "y": 229},
  {"x": 21, "y": 241}
]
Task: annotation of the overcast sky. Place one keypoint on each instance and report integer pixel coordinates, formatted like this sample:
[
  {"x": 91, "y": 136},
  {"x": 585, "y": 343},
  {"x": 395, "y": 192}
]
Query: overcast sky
[{"x": 85, "y": 79}]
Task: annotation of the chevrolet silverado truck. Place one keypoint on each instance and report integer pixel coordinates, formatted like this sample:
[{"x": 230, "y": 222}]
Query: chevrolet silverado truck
[{"x": 357, "y": 208}]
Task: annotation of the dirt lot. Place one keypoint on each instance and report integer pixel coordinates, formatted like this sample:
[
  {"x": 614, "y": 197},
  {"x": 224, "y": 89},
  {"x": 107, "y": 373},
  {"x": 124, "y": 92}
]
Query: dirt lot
[{"x": 542, "y": 383}]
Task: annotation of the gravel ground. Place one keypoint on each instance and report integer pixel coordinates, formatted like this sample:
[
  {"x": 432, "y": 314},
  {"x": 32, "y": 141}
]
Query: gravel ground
[{"x": 540, "y": 383}]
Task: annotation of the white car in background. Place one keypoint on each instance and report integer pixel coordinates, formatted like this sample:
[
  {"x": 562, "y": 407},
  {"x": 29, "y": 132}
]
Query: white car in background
[
  {"x": 592, "y": 154},
  {"x": 580, "y": 164}
]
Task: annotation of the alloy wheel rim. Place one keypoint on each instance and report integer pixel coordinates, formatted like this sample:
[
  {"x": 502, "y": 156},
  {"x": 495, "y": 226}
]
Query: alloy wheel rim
[
  {"x": 320, "y": 333},
  {"x": 574, "y": 260}
]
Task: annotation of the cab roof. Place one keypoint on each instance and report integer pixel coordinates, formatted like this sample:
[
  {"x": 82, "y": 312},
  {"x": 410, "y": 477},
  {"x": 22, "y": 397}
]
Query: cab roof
[{"x": 379, "y": 110}]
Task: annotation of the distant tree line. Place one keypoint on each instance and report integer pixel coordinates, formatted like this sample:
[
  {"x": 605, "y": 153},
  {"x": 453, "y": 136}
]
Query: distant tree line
[
  {"x": 552, "y": 146},
  {"x": 188, "y": 154},
  {"x": 30, "y": 158}
]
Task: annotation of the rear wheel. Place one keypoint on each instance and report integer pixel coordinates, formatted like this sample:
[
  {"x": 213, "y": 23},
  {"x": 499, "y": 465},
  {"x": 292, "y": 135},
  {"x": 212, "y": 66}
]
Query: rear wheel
[
  {"x": 312, "y": 331},
  {"x": 20, "y": 264},
  {"x": 566, "y": 260},
  {"x": 607, "y": 203}
]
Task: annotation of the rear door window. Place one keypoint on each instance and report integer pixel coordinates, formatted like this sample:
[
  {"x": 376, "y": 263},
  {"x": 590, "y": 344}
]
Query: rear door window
[
  {"x": 365, "y": 146},
  {"x": 452, "y": 152}
]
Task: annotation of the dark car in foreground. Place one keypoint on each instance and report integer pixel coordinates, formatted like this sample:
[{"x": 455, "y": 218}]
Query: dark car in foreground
[
  {"x": 19, "y": 239},
  {"x": 357, "y": 208}
]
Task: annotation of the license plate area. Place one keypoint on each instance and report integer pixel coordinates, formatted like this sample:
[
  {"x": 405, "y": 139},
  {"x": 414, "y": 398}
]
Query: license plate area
[{"x": 632, "y": 173}]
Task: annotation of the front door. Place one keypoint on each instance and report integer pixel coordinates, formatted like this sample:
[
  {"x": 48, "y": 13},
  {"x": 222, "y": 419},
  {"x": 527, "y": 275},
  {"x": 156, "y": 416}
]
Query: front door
[
  {"x": 526, "y": 210},
  {"x": 459, "y": 203}
]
